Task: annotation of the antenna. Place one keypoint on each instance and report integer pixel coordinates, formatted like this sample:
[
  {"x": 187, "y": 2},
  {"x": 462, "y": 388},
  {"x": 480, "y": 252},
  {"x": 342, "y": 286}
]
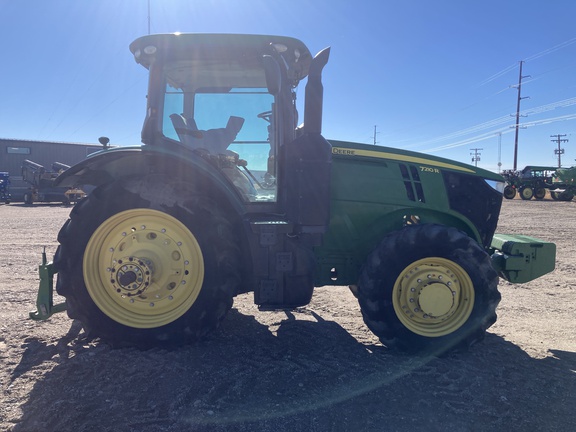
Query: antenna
[
  {"x": 148, "y": 16},
  {"x": 499, "y": 151}
]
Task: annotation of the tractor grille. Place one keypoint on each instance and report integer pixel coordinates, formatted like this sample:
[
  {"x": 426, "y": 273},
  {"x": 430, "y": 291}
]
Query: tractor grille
[{"x": 476, "y": 200}]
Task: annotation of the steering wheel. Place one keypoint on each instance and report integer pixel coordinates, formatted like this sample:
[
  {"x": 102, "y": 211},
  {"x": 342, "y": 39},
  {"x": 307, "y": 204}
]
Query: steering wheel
[{"x": 266, "y": 115}]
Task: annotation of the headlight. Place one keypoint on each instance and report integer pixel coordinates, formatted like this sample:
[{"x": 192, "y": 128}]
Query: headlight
[{"x": 496, "y": 185}]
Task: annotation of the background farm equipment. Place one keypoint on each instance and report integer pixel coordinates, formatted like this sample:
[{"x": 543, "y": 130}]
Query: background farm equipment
[
  {"x": 5, "y": 196},
  {"x": 534, "y": 181},
  {"x": 563, "y": 186},
  {"x": 42, "y": 187}
]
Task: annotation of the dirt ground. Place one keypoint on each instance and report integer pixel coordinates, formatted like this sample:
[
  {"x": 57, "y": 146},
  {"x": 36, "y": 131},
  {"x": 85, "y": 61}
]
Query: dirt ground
[{"x": 315, "y": 369}]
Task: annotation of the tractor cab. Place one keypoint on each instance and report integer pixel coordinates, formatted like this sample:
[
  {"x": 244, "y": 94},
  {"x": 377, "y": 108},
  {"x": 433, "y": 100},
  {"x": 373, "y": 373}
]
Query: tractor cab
[{"x": 230, "y": 98}]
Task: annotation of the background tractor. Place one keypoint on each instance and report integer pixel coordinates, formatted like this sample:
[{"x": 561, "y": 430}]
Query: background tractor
[
  {"x": 532, "y": 181},
  {"x": 229, "y": 194}
]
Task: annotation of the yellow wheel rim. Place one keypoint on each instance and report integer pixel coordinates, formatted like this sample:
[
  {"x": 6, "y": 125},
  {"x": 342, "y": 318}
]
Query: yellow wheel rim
[
  {"x": 143, "y": 268},
  {"x": 433, "y": 297}
]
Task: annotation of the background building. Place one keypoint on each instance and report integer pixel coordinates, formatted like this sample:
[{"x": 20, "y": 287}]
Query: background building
[{"x": 13, "y": 152}]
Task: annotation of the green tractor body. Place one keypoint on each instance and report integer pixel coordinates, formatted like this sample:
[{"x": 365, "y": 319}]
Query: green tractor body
[{"x": 229, "y": 194}]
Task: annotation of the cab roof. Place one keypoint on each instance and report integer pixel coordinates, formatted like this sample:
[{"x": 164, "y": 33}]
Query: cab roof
[{"x": 244, "y": 48}]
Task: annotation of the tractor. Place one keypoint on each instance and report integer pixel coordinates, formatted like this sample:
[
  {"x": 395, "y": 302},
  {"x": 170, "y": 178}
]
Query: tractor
[
  {"x": 532, "y": 181},
  {"x": 229, "y": 194}
]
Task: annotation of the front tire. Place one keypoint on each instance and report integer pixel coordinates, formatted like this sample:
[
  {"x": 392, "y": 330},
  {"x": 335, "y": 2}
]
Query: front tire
[
  {"x": 509, "y": 192},
  {"x": 428, "y": 289},
  {"x": 144, "y": 269}
]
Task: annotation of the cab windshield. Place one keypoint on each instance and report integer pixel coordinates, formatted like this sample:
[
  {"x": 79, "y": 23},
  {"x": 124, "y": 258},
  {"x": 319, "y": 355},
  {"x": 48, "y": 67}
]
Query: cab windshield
[{"x": 232, "y": 123}]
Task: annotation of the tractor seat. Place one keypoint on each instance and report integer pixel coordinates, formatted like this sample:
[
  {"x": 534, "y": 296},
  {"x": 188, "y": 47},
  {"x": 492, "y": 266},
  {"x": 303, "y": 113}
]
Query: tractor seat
[{"x": 216, "y": 141}]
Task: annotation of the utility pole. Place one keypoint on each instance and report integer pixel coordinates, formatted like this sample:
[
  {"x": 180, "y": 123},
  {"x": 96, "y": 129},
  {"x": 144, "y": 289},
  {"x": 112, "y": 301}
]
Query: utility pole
[
  {"x": 559, "y": 151},
  {"x": 517, "y": 126},
  {"x": 375, "y": 134},
  {"x": 475, "y": 155}
]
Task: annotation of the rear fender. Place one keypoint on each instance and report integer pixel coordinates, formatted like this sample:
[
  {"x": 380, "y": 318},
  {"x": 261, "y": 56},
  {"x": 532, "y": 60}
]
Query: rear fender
[{"x": 109, "y": 165}]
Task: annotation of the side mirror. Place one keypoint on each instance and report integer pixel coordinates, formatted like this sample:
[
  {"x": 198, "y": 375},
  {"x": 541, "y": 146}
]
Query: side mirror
[{"x": 273, "y": 75}]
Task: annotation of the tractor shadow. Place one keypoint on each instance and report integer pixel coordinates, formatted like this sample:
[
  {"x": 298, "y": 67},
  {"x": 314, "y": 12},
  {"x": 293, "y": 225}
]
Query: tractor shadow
[{"x": 299, "y": 373}]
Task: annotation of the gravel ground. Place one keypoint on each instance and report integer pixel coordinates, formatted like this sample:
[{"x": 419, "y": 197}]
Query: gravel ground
[{"x": 314, "y": 369}]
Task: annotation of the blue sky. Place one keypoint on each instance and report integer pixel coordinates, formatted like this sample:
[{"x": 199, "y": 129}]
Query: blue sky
[{"x": 435, "y": 76}]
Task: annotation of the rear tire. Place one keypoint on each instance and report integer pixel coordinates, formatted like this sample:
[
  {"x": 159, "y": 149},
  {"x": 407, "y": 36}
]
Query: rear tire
[
  {"x": 428, "y": 289},
  {"x": 540, "y": 193},
  {"x": 142, "y": 268},
  {"x": 526, "y": 193}
]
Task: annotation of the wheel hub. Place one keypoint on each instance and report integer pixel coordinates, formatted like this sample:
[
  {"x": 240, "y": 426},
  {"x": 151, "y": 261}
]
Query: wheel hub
[
  {"x": 436, "y": 300},
  {"x": 131, "y": 276},
  {"x": 433, "y": 296}
]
